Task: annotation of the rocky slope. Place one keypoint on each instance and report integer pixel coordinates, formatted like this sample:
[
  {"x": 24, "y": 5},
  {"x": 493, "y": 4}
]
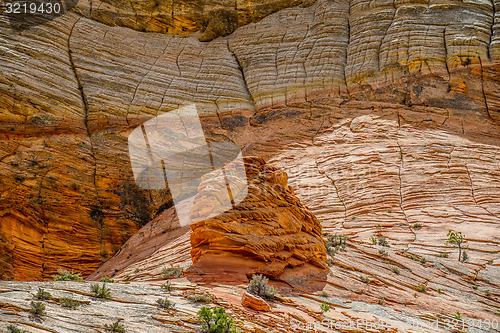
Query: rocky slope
[
  {"x": 270, "y": 232},
  {"x": 136, "y": 305}
]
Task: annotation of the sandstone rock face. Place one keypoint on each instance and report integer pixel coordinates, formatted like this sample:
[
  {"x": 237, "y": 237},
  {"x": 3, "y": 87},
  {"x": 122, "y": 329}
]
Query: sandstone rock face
[
  {"x": 270, "y": 232},
  {"x": 254, "y": 302},
  {"x": 159, "y": 244},
  {"x": 72, "y": 89},
  {"x": 213, "y": 18}
]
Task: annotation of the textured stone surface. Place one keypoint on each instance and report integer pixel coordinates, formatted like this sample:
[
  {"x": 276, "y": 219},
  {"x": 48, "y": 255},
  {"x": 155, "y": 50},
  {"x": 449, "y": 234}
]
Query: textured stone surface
[
  {"x": 136, "y": 304},
  {"x": 270, "y": 232},
  {"x": 210, "y": 18},
  {"x": 254, "y": 302},
  {"x": 70, "y": 91}
]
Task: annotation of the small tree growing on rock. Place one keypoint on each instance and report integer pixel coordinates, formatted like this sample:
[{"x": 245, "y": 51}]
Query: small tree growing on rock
[{"x": 456, "y": 239}]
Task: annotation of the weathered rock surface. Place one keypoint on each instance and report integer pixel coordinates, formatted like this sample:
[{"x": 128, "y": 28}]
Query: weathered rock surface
[
  {"x": 159, "y": 244},
  {"x": 254, "y": 302},
  {"x": 270, "y": 232},
  {"x": 70, "y": 91},
  {"x": 212, "y": 18},
  {"x": 136, "y": 305}
]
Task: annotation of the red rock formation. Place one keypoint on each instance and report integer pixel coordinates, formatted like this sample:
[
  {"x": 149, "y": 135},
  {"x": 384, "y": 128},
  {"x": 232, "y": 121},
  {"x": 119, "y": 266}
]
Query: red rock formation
[
  {"x": 270, "y": 232},
  {"x": 254, "y": 302}
]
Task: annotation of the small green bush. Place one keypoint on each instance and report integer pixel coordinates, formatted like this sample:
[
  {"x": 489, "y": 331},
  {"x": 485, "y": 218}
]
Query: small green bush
[
  {"x": 442, "y": 255},
  {"x": 165, "y": 303},
  {"x": 43, "y": 295},
  {"x": 383, "y": 253},
  {"x": 487, "y": 293},
  {"x": 106, "y": 279},
  {"x": 415, "y": 258},
  {"x": 37, "y": 308},
  {"x": 258, "y": 286},
  {"x": 457, "y": 316},
  {"x": 216, "y": 321},
  {"x": 13, "y": 329},
  {"x": 380, "y": 240},
  {"x": 475, "y": 287},
  {"x": 100, "y": 291},
  {"x": 69, "y": 303},
  {"x": 381, "y": 301},
  {"x": 365, "y": 279},
  {"x": 172, "y": 272},
  {"x": 115, "y": 327},
  {"x": 417, "y": 226},
  {"x": 167, "y": 287},
  {"x": 200, "y": 298},
  {"x": 421, "y": 288},
  {"x": 324, "y": 294},
  {"x": 324, "y": 307},
  {"x": 67, "y": 276},
  {"x": 334, "y": 243},
  {"x": 396, "y": 270}
]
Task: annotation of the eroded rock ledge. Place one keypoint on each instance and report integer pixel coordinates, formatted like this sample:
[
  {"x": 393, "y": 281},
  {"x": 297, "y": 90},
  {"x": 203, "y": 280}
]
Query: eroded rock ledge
[{"x": 270, "y": 232}]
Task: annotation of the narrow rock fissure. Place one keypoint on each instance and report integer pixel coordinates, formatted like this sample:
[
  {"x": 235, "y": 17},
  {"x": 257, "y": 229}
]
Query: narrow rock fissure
[{"x": 245, "y": 83}]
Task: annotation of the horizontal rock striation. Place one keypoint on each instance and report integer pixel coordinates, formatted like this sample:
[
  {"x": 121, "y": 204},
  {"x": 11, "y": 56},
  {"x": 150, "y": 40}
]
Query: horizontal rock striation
[{"x": 72, "y": 89}]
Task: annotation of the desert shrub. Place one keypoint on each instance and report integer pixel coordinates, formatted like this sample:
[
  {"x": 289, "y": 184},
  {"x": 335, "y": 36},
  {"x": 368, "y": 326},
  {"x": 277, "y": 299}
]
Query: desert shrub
[
  {"x": 457, "y": 316},
  {"x": 115, "y": 327},
  {"x": 487, "y": 293},
  {"x": 324, "y": 294},
  {"x": 216, "y": 321},
  {"x": 43, "y": 295},
  {"x": 258, "y": 286},
  {"x": 172, "y": 272},
  {"x": 442, "y": 255},
  {"x": 64, "y": 275},
  {"x": 475, "y": 287},
  {"x": 417, "y": 226},
  {"x": 415, "y": 258},
  {"x": 69, "y": 303},
  {"x": 167, "y": 287},
  {"x": 381, "y": 301},
  {"x": 324, "y": 307},
  {"x": 100, "y": 291},
  {"x": 396, "y": 270},
  {"x": 165, "y": 303},
  {"x": 106, "y": 279},
  {"x": 13, "y": 329},
  {"x": 465, "y": 256},
  {"x": 421, "y": 288},
  {"x": 200, "y": 298},
  {"x": 365, "y": 279},
  {"x": 383, "y": 253},
  {"x": 380, "y": 240},
  {"x": 334, "y": 243},
  {"x": 37, "y": 308}
]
